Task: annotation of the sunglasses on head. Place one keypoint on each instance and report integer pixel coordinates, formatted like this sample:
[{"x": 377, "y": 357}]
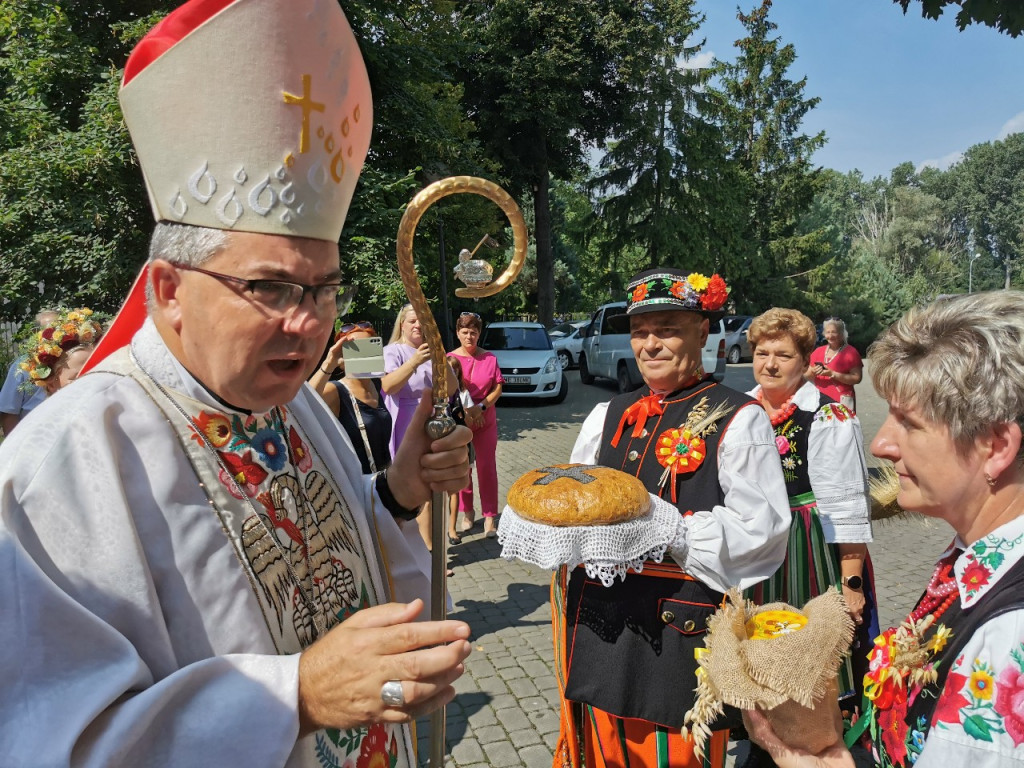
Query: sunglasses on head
[
  {"x": 470, "y": 314},
  {"x": 362, "y": 325}
]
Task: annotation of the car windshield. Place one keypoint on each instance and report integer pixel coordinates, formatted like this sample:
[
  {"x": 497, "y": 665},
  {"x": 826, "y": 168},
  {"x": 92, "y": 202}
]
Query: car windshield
[{"x": 515, "y": 338}]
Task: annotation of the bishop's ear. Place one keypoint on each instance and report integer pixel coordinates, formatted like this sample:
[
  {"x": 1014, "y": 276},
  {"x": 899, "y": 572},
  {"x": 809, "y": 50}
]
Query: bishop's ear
[{"x": 162, "y": 293}]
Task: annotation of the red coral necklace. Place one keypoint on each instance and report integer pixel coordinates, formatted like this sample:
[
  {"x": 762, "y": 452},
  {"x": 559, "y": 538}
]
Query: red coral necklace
[
  {"x": 941, "y": 591},
  {"x": 787, "y": 409}
]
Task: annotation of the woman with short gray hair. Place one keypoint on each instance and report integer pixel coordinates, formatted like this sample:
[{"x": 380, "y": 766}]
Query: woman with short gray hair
[{"x": 944, "y": 688}]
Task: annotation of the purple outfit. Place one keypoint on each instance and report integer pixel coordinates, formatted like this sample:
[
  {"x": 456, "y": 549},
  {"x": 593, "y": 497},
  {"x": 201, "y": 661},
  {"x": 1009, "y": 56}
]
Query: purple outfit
[
  {"x": 402, "y": 405},
  {"x": 481, "y": 373}
]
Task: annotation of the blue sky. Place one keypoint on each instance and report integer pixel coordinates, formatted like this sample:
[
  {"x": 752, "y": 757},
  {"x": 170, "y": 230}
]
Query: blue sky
[{"x": 893, "y": 87}]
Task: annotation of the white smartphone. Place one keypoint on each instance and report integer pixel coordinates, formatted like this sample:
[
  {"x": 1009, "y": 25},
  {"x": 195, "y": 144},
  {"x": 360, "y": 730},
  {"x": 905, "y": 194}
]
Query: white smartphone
[{"x": 364, "y": 358}]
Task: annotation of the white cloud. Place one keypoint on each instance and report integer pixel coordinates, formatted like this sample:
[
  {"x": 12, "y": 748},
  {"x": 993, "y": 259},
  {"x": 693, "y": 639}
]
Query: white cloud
[
  {"x": 702, "y": 60},
  {"x": 1014, "y": 125},
  {"x": 942, "y": 163}
]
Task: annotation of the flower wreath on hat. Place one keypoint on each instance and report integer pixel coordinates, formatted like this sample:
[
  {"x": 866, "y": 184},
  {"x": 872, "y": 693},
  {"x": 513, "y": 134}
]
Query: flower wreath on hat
[
  {"x": 696, "y": 291},
  {"x": 44, "y": 348}
]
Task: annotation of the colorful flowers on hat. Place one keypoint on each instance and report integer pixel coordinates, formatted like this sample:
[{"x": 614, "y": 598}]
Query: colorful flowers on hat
[
  {"x": 715, "y": 293},
  {"x": 672, "y": 289},
  {"x": 71, "y": 328}
]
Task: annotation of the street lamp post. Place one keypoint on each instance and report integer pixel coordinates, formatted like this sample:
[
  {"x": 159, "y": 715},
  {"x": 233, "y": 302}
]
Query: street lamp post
[{"x": 970, "y": 273}]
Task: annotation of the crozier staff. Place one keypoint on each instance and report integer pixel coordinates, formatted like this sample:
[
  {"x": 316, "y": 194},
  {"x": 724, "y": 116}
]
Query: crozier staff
[{"x": 195, "y": 547}]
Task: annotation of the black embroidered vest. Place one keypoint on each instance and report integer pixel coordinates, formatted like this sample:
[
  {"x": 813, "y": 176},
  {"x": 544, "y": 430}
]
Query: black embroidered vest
[
  {"x": 1007, "y": 595},
  {"x": 637, "y": 455},
  {"x": 630, "y": 646}
]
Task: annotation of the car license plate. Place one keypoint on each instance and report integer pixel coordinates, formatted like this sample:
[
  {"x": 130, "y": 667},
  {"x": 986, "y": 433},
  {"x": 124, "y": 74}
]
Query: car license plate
[{"x": 517, "y": 379}]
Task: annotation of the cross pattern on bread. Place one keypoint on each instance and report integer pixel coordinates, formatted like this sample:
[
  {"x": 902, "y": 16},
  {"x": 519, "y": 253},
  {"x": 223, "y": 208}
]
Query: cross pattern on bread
[{"x": 576, "y": 473}]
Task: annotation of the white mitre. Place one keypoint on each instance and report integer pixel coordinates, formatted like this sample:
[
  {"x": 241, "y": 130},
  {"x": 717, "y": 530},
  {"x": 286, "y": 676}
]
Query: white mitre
[{"x": 256, "y": 118}]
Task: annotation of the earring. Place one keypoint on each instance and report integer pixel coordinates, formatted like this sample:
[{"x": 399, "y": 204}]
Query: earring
[{"x": 990, "y": 480}]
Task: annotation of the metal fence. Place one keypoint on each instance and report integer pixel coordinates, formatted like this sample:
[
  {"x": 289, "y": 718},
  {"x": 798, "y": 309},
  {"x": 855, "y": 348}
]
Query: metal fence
[{"x": 8, "y": 346}]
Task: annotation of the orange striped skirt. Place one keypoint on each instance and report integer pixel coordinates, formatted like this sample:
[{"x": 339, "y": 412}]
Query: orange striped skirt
[{"x": 591, "y": 738}]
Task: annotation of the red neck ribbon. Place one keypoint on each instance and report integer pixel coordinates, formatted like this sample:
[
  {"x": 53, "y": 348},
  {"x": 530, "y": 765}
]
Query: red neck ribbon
[{"x": 637, "y": 414}]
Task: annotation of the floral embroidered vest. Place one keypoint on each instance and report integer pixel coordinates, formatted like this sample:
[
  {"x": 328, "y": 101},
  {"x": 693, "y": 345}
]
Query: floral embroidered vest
[
  {"x": 792, "y": 438},
  {"x": 899, "y": 719}
]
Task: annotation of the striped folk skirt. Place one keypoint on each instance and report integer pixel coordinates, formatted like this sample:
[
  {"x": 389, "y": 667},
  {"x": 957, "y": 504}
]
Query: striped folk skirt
[
  {"x": 591, "y": 738},
  {"x": 810, "y": 568}
]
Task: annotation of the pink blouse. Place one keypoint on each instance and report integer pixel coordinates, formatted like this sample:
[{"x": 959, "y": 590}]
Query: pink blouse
[{"x": 480, "y": 373}]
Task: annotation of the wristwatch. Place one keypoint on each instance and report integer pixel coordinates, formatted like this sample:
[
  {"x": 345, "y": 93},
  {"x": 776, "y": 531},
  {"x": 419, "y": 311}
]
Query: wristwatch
[{"x": 853, "y": 582}]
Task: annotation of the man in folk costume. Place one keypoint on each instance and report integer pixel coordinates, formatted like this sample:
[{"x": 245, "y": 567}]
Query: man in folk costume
[
  {"x": 194, "y": 570},
  {"x": 626, "y": 653}
]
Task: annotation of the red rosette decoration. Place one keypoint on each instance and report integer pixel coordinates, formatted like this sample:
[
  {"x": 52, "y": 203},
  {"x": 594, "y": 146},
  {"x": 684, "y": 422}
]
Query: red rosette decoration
[
  {"x": 679, "y": 451},
  {"x": 715, "y": 294},
  {"x": 47, "y": 359},
  {"x": 69, "y": 341},
  {"x": 640, "y": 292},
  {"x": 46, "y": 333}
]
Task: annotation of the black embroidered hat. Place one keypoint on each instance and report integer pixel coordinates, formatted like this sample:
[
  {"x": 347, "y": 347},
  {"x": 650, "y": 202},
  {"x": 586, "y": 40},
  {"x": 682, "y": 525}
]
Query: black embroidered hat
[{"x": 664, "y": 288}]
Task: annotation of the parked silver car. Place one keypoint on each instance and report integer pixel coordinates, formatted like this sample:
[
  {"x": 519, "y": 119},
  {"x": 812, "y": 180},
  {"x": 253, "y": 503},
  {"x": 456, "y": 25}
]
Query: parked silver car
[
  {"x": 527, "y": 362},
  {"x": 567, "y": 339},
  {"x": 737, "y": 348}
]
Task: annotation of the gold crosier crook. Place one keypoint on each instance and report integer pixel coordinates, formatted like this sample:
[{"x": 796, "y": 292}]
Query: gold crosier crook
[{"x": 440, "y": 423}]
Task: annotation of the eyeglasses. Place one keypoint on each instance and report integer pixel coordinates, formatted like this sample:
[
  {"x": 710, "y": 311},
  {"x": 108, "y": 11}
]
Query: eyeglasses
[
  {"x": 282, "y": 295},
  {"x": 362, "y": 325}
]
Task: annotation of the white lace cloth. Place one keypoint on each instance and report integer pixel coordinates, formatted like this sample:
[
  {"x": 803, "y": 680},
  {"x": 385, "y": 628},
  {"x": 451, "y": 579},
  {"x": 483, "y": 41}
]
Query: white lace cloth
[{"x": 606, "y": 551}]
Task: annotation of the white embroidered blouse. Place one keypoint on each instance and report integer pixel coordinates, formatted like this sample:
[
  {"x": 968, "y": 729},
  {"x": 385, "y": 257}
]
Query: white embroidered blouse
[
  {"x": 979, "y": 718},
  {"x": 836, "y": 469}
]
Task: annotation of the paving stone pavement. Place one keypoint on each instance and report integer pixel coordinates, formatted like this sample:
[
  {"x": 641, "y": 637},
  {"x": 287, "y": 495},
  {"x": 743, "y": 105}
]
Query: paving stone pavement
[{"x": 506, "y": 710}]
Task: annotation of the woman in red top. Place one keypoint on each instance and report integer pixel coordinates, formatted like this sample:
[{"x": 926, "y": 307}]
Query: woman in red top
[{"x": 836, "y": 366}]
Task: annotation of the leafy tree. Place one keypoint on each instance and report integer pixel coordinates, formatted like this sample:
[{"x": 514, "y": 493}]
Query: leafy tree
[
  {"x": 762, "y": 110},
  {"x": 73, "y": 213},
  {"x": 988, "y": 196},
  {"x": 1005, "y": 15},
  {"x": 667, "y": 189},
  {"x": 542, "y": 87}
]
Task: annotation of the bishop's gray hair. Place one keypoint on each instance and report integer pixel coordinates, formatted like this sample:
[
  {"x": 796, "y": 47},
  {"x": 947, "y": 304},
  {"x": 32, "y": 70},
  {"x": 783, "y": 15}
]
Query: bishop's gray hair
[
  {"x": 959, "y": 361},
  {"x": 185, "y": 244}
]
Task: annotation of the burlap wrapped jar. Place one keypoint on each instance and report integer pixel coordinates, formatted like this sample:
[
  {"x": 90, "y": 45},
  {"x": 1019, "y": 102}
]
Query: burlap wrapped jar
[{"x": 778, "y": 659}]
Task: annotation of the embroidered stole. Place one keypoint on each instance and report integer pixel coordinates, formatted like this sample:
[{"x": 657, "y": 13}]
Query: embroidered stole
[{"x": 291, "y": 504}]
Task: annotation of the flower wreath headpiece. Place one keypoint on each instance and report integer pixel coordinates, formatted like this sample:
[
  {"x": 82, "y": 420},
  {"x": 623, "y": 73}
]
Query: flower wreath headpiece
[
  {"x": 661, "y": 289},
  {"x": 44, "y": 348}
]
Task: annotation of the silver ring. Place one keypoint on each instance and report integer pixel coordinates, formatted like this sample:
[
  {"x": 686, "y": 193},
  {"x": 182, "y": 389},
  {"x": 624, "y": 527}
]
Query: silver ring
[{"x": 391, "y": 693}]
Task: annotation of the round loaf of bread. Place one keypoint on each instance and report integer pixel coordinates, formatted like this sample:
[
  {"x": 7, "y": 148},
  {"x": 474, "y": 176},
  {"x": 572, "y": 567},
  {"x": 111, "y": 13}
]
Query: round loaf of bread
[{"x": 578, "y": 494}]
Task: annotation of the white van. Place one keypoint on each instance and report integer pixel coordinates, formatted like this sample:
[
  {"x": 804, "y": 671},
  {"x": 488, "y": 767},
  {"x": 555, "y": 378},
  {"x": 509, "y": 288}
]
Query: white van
[{"x": 606, "y": 352}]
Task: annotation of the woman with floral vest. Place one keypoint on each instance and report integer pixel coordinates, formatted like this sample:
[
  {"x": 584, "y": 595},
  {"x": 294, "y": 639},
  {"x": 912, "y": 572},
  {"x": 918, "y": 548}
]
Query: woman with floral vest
[{"x": 946, "y": 686}]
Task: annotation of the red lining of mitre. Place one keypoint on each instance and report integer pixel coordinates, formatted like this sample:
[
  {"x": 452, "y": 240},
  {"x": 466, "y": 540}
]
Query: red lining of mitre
[
  {"x": 124, "y": 325},
  {"x": 173, "y": 28}
]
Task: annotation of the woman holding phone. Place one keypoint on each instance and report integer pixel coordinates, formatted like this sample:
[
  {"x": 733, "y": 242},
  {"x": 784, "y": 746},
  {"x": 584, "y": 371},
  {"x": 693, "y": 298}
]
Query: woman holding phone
[{"x": 357, "y": 402}]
